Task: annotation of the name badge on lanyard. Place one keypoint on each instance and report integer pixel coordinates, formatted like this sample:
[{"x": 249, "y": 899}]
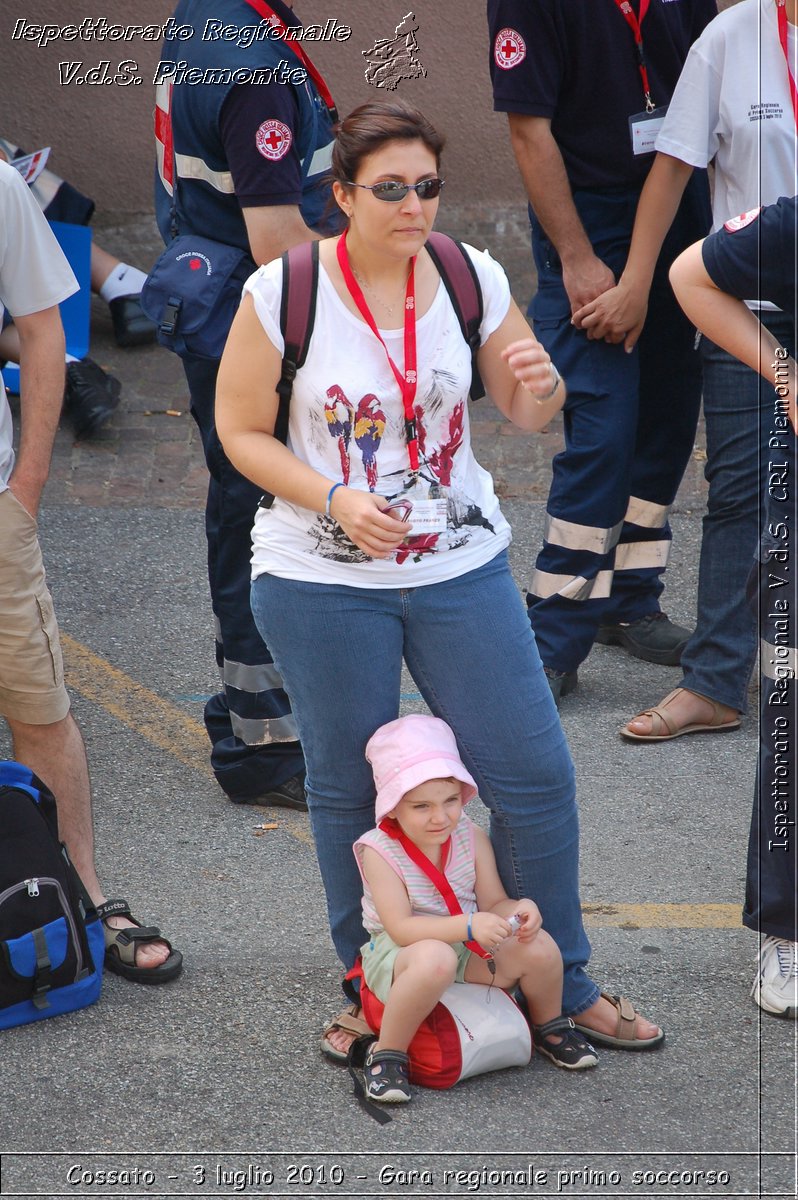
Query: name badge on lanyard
[
  {"x": 644, "y": 128},
  {"x": 428, "y": 516}
]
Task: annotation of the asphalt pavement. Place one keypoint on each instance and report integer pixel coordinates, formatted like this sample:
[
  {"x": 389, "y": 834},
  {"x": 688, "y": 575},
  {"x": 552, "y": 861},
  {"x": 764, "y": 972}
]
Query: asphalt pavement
[{"x": 214, "y": 1085}]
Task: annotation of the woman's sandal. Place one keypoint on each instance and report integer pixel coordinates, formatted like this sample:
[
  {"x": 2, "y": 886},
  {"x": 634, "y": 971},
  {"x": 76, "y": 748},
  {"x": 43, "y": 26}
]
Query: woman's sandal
[
  {"x": 350, "y": 1020},
  {"x": 572, "y": 1051},
  {"x": 664, "y": 727},
  {"x": 625, "y": 1037},
  {"x": 121, "y": 946}
]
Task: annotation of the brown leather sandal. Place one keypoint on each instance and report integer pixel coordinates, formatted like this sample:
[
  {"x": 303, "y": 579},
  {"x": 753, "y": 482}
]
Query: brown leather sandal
[
  {"x": 664, "y": 727},
  {"x": 624, "y": 1037},
  {"x": 350, "y": 1020}
]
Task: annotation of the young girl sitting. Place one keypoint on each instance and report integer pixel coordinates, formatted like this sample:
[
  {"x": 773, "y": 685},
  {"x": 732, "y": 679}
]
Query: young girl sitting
[{"x": 417, "y": 948}]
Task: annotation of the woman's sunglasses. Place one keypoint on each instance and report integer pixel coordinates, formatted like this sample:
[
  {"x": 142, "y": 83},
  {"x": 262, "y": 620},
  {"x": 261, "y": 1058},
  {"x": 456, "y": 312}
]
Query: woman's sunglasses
[{"x": 389, "y": 189}]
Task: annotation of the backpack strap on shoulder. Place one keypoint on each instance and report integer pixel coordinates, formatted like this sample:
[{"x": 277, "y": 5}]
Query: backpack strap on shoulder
[
  {"x": 461, "y": 282},
  {"x": 297, "y": 317}
]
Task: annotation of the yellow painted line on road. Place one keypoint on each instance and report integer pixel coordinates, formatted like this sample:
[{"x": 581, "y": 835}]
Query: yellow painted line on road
[
  {"x": 170, "y": 730},
  {"x": 662, "y": 916},
  {"x": 145, "y": 713}
]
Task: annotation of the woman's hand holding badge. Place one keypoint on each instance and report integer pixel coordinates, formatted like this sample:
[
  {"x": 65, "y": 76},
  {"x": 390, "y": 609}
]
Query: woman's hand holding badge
[{"x": 362, "y": 517}]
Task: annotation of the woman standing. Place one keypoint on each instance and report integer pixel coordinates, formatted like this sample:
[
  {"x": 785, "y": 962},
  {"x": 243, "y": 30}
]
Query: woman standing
[{"x": 344, "y": 589}]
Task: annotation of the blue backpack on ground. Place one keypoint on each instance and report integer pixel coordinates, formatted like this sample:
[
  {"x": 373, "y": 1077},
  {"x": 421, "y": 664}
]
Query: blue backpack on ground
[{"x": 51, "y": 939}]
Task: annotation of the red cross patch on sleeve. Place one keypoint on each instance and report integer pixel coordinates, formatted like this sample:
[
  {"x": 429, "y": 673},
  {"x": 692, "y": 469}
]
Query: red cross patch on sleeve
[
  {"x": 509, "y": 49},
  {"x": 738, "y": 223},
  {"x": 273, "y": 139}
]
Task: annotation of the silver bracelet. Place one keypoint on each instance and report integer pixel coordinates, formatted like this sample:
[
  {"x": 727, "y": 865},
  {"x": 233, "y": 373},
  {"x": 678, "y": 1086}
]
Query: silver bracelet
[{"x": 557, "y": 377}]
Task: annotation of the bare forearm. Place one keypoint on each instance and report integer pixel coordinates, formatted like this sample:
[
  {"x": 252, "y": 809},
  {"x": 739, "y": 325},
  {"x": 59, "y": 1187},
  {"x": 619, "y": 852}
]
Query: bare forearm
[
  {"x": 584, "y": 274},
  {"x": 272, "y": 466},
  {"x": 41, "y": 362},
  {"x": 659, "y": 202},
  {"x": 407, "y": 930},
  {"x": 274, "y": 229},
  {"x": 543, "y": 172},
  {"x": 729, "y": 323}
]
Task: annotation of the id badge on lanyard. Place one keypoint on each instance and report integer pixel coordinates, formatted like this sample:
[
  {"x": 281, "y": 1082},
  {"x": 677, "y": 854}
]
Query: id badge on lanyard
[
  {"x": 428, "y": 516},
  {"x": 643, "y": 126}
]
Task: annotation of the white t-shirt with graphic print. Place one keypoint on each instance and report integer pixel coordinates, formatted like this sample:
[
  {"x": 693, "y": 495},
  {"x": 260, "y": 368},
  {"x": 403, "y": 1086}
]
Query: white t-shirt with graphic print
[
  {"x": 347, "y": 422},
  {"x": 733, "y": 104}
]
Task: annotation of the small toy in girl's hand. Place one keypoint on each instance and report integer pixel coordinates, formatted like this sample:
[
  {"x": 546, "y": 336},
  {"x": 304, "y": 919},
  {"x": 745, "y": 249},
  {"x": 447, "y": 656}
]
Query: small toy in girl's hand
[{"x": 515, "y": 922}]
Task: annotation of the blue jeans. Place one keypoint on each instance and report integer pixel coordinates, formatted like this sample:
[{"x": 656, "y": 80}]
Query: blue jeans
[
  {"x": 469, "y": 647},
  {"x": 738, "y": 409}
]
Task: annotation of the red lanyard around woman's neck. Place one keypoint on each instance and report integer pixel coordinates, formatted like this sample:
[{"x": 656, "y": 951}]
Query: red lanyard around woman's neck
[
  {"x": 408, "y": 381},
  {"x": 781, "y": 13},
  {"x": 435, "y": 876},
  {"x": 634, "y": 23}
]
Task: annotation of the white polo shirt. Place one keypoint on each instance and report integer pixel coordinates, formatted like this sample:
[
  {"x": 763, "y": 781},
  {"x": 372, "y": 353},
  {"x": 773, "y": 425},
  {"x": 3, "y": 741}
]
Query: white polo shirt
[
  {"x": 34, "y": 275},
  {"x": 733, "y": 104}
]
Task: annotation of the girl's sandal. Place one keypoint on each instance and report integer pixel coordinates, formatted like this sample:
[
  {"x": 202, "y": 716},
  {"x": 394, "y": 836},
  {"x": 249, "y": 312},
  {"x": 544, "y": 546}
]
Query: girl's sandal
[{"x": 572, "y": 1051}]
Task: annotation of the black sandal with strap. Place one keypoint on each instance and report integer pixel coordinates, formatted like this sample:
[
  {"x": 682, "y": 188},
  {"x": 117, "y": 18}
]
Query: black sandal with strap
[
  {"x": 573, "y": 1051},
  {"x": 121, "y": 946}
]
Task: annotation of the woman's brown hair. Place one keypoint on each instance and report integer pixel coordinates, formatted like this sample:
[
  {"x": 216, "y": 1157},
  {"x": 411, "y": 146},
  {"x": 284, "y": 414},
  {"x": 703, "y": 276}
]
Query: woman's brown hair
[{"x": 370, "y": 126}]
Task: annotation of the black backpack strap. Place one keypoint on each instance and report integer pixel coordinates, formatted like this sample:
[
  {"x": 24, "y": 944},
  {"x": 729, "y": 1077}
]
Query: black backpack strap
[
  {"x": 297, "y": 316},
  {"x": 461, "y": 282}
]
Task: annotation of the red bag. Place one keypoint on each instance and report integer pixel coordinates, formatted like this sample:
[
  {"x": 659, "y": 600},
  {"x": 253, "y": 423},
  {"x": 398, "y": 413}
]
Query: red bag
[{"x": 472, "y": 1029}]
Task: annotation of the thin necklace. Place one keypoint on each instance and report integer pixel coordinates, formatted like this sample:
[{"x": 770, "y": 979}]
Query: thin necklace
[{"x": 389, "y": 308}]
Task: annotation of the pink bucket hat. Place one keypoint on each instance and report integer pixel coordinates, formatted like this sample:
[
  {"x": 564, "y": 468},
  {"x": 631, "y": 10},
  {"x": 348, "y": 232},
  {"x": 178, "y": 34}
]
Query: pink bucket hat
[{"x": 410, "y": 751}]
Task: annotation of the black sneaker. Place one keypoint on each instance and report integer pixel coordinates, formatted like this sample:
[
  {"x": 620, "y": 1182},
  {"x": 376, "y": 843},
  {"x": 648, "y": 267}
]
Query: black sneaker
[
  {"x": 132, "y": 326},
  {"x": 572, "y": 1051},
  {"x": 561, "y": 683},
  {"x": 290, "y": 794},
  {"x": 653, "y": 638},
  {"x": 90, "y": 397},
  {"x": 385, "y": 1073}
]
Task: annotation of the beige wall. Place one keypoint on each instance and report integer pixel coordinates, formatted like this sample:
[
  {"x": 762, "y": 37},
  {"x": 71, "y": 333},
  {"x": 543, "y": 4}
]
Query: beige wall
[{"x": 102, "y": 134}]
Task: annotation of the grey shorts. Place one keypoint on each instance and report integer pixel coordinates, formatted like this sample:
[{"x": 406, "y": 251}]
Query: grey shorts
[
  {"x": 31, "y": 668},
  {"x": 379, "y": 957}
]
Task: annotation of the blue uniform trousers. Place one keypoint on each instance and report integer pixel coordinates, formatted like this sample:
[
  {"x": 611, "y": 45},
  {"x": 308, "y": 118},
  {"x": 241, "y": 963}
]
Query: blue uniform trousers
[
  {"x": 630, "y": 422},
  {"x": 771, "y": 895},
  {"x": 249, "y": 722}
]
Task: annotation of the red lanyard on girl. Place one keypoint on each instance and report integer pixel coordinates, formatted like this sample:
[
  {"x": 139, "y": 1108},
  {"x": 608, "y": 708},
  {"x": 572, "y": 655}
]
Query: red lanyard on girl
[
  {"x": 781, "y": 13},
  {"x": 408, "y": 381},
  {"x": 634, "y": 24},
  {"x": 268, "y": 14},
  {"x": 395, "y": 831}
]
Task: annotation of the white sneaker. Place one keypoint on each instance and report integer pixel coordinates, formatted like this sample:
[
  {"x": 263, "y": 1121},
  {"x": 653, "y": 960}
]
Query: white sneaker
[{"x": 775, "y": 988}]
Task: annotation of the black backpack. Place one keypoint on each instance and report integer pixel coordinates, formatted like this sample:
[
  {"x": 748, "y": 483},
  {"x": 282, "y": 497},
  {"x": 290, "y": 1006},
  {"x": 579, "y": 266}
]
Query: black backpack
[
  {"x": 298, "y": 313},
  {"x": 51, "y": 939}
]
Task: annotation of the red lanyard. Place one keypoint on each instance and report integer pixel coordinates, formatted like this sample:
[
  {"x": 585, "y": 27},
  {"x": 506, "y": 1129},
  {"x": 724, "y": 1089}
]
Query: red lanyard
[
  {"x": 408, "y": 381},
  {"x": 781, "y": 12},
  {"x": 268, "y": 14},
  {"x": 634, "y": 24},
  {"x": 395, "y": 831}
]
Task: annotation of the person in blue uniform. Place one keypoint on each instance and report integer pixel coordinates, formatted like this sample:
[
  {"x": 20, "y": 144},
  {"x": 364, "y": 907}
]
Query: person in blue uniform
[
  {"x": 585, "y": 87},
  {"x": 242, "y": 163},
  {"x": 753, "y": 257}
]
